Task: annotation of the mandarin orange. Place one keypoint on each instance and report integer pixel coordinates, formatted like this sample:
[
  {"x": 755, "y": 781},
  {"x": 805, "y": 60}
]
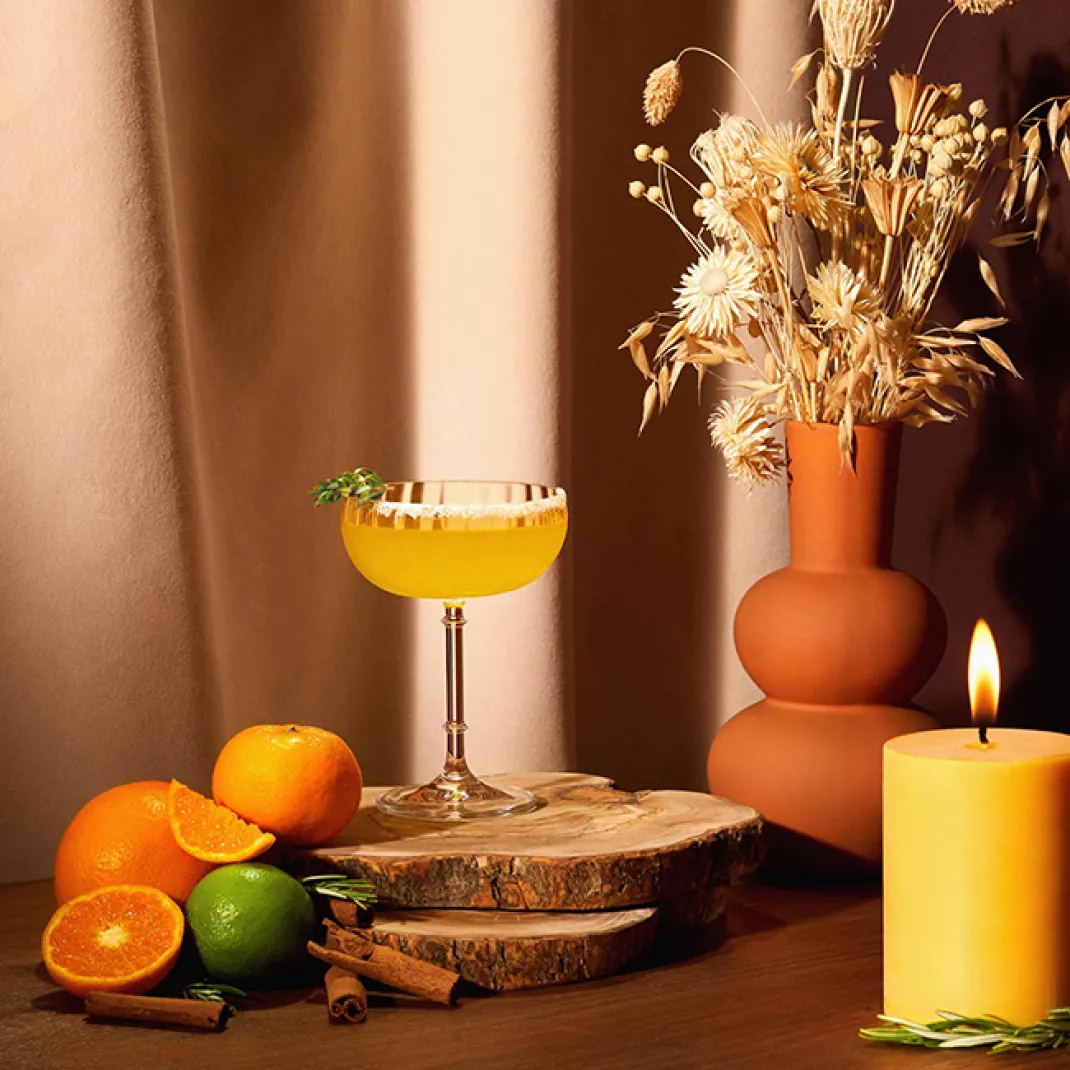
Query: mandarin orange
[
  {"x": 123, "y": 938},
  {"x": 299, "y": 782},
  {"x": 123, "y": 836}
]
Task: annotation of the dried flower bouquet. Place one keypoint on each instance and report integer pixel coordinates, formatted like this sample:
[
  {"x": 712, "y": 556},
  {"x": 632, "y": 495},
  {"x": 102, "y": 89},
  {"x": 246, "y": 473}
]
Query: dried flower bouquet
[{"x": 826, "y": 247}]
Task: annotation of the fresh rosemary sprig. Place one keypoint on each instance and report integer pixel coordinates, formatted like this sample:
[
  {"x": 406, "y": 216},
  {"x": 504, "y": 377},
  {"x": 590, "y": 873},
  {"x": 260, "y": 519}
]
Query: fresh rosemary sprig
[
  {"x": 339, "y": 886},
  {"x": 362, "y": 484},
  {"x": 960, "y": 1031},
  {"x": 211, "y": 992}
]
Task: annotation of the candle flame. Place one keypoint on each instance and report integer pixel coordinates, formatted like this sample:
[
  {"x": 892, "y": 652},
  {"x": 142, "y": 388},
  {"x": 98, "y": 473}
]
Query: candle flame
[{"x": 984, "y": 676}]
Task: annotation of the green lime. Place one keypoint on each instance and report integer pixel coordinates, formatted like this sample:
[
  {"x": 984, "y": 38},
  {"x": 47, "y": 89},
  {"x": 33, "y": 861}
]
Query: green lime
[{"x": 251, "y": 923}]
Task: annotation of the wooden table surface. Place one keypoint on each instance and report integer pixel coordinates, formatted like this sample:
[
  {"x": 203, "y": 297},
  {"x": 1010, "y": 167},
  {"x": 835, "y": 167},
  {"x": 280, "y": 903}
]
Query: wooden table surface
[{"x": 799, "y": 974}]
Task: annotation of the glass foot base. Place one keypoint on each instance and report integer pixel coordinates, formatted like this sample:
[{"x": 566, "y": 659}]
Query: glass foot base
[{"x": 455, "y": 799}]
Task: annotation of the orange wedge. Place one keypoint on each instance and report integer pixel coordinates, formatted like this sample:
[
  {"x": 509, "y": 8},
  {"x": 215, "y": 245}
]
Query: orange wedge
[
  {"x": 122, "y": 938},
  {"x": 211, "y": 832}
]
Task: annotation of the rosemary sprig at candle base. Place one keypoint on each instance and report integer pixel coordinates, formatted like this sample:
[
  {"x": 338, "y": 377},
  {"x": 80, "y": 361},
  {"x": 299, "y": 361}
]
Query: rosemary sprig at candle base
[{"x": 986, "y": 1031}]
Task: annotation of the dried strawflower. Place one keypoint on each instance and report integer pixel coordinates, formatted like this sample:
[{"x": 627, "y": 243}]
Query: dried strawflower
[
  {"x": 663, "y": 89},
  {"x": 742, "y": 432},
  {"x": 804, "y": 170},
  {"x": 982, "y": 7},
  {"x": 842, "y": 298},
  {"x": 637, "y": 189},
  {"x": 718, "y": 294},
  {"x": 853, "y": 29}
]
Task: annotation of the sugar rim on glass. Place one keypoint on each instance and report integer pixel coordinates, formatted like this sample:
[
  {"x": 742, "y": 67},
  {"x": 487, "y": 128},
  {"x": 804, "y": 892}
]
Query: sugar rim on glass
[{"x": 556, "y": 500}]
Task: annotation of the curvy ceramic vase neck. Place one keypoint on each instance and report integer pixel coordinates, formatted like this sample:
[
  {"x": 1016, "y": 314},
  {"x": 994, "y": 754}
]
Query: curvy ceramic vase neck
[{"x": 839, "y": 518}]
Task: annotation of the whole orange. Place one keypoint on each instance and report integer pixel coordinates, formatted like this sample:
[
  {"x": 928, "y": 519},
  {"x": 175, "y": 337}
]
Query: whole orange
[
  {"x": 300, "y": 782},
  {"x": 123, "y": 836}
]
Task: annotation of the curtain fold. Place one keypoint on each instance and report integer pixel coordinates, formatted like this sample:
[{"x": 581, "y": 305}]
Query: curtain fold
[
  {"x": 100, "y": 652},
  {"x": 248, "y": 245}
]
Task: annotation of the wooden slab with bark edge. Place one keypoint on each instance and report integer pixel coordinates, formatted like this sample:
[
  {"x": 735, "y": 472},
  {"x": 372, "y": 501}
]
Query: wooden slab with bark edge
[
  {"x": 590, "y": 847},
  {"x": 507, "y": 949}
]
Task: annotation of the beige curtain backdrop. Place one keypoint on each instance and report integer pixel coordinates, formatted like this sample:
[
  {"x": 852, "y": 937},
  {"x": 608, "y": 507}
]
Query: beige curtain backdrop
[{"x": 246, "y": 245}]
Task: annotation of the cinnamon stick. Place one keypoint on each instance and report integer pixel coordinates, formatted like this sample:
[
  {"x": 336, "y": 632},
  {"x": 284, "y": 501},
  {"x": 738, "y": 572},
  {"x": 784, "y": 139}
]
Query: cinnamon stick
[
  {"x": 347, "y": 999},
  {"x": 391, "y": 968},
  {"x": 193, "y": 1013},
  {"x": 349, "y": 915}
]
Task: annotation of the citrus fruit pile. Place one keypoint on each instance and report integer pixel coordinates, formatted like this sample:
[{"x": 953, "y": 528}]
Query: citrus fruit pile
[{"x": 135, "y": 854}]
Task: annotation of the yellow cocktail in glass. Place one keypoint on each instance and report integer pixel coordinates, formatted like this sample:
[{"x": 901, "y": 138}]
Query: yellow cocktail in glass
[{"x": 453, "y": 541}]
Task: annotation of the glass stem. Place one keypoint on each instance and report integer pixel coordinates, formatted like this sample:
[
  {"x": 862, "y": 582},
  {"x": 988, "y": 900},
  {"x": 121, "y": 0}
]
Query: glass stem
[{"x": 456, "y": 767}]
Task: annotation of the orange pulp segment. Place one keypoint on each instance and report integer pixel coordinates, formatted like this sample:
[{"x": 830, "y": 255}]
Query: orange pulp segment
[{"x": 211, "y": 832}]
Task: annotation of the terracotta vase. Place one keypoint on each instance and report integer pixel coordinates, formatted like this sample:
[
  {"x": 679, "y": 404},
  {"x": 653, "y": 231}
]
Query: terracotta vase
[{"x": 839, "y": 642}]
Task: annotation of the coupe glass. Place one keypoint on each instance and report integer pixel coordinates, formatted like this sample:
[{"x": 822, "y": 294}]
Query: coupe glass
[{"x": 453, "y": 541}]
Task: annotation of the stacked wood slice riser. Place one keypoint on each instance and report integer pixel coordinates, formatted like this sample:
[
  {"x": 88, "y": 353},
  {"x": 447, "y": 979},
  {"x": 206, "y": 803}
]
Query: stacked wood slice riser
[{"x": 580, "y": 889}]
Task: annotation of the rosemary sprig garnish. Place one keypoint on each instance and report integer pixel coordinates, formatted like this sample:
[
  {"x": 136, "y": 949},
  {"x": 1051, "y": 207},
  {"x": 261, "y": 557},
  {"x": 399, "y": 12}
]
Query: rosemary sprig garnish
[
  {"x": 339, "y": 886},
  {"x": 362, "y": 484},
  {"x": 211, "y": 992},
  {"x": 960, "y": 1031}
]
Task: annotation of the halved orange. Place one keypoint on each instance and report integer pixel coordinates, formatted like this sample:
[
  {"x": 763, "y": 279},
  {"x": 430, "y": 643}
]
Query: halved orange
[
  {"x": 122, "y": 938},
  {"x": 211, "y": 832}
]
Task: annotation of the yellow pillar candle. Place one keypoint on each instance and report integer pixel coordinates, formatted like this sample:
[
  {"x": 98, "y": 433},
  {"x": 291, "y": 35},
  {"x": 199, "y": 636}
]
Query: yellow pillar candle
[
  {"x": 977, "y": 864},
  {"x": 977, "y": 874}
]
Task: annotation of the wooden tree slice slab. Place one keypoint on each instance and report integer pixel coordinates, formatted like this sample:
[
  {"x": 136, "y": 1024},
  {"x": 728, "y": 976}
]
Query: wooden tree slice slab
[
  {"x": 501, "y": 950},
  {"x": 589, "y": 847}
]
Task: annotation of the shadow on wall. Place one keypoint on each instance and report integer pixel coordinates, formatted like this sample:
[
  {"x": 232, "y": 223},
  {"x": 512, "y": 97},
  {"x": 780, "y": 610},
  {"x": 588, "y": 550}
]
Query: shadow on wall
[
  {"x": 641, "y": 532},
  {"x": 984, "y": 504},
  {"x": 1021, "y": 468}
]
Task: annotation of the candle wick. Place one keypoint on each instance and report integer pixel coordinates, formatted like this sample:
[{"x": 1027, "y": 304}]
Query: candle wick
[{"x": 982, "y": 731}]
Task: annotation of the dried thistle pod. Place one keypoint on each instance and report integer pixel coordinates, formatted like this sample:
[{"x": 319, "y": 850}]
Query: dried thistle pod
[
  {"x": 854, "y": 29},
  {"x": 982, "y": 7}
]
